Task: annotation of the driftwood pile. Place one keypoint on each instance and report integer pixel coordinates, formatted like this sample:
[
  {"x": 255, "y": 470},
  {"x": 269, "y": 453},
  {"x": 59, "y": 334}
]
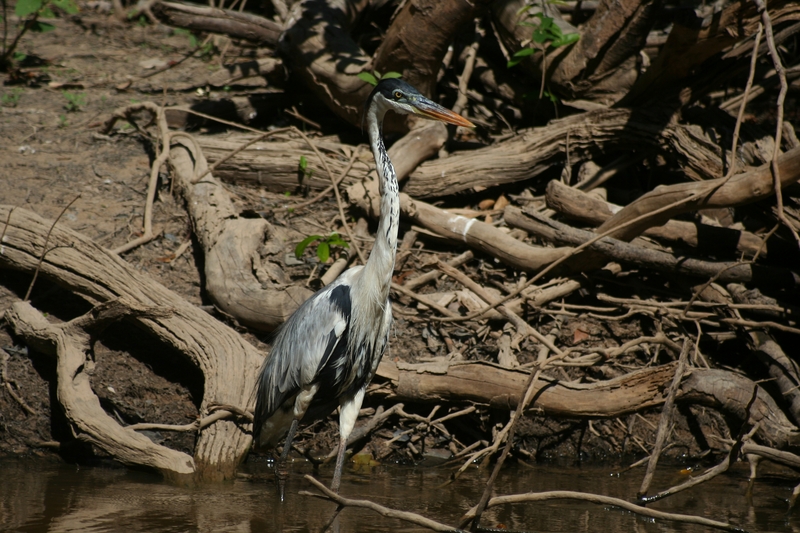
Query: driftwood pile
[{"x": 702, "y": 257}]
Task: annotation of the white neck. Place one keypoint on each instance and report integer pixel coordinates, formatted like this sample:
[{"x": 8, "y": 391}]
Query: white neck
[{"x": 380, "y": 264}]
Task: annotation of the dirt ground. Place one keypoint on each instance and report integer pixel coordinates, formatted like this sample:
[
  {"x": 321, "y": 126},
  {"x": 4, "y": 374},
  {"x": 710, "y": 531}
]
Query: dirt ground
[{"x": 53, "y": 155}]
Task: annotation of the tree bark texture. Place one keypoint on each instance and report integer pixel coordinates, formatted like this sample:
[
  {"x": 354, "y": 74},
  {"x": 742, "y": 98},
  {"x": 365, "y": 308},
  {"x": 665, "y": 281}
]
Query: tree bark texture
[
  {"x": 612, "y": 249},
  {"x": 717, "y": 241},
  {"x": 489, "y": 384},
  {"x": 228, "y": 363},
  {"x": 235, "y": 24},
  {"x": 740, "y": 189},
  {"x": 90, "y": 423},
  {"x": 244, "y": 270},
  {"x": 534, "y": 150},
  {"x": 318, "y": 48},
  {"x": 419, "y": 35}
]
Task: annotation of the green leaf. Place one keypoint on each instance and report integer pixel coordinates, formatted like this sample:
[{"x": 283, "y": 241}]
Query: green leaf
[
  {"x": 323, "y": 252},
  {"x": 553, "y": 98},
  {"x": 303, "y": 163},
  {"x": 27, "y": 7},
  {"x": 42, "y": 27},
  {"x": 367, "y": 77},
  {"x": 47, "y": 13},
  {"x": 302, "y": 245},
  {"x": 525, "y": 52},
  {"x": 391, "y": 75},
  {"x": 336, "y": 240},
  {"x": 566, "y": 40},
  {"x": 539, "y": 37},
  {"x": 69, "y": 6}
]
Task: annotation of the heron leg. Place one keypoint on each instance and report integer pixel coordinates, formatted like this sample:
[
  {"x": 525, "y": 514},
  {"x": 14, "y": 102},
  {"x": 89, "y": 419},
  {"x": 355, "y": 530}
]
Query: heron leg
[
  {"x": 281, "y": 470},
  {"x": 348, "y": 412},
  {"x": 337, "y": 473}
]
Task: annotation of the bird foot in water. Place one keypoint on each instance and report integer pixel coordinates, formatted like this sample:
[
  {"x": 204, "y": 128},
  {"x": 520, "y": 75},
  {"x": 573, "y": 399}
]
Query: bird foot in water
[{"x": 281, "y": 474}]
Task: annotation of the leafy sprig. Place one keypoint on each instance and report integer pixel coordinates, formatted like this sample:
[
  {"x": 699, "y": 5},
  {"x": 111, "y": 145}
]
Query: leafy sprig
[
  {"x": 29, "y": 13},
  {"x": 546, "y": 34},
  {"x": 324, "y": 246},
  {"x": 374, "y": 78}
]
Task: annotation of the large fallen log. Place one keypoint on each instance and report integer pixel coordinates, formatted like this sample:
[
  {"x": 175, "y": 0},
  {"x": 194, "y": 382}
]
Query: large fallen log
[
  {"x": 318, "y": 48},
  {"x": 498, "y": 387},
  {"x": 236, "y": 24},
  {"x": 70, "y": 343},
  {"x": 713, "y": 240},
  {"x": 692, "y": 42},
  {"x": 275, "y": 165},
  {"x": 744, "y": 188},
  {"x": 613, "y": 249},
  {"x": 532, "y": 151},
  {"x": 474, "y": 233},
  {"x": 244, "y": 257},
  {"x": 228, "y": 363},
  {"x": 417, "y": 40}
]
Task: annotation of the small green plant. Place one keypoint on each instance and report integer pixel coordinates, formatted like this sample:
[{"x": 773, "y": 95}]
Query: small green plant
[
  {"x": 546, "y": 34},
  {"x": 11, "y": 98},
  {"x": 323, "y": 247},
  {"x": 62, "y": 121},
  {"x": 206, "y": 49},
  {"x": 29, "y": 12},
  {"x": 193, "y": 42},
  {"x": 375, "y": 77},
  {"x": 75, "y": 101},
  {"x": 303, "y": 166}
]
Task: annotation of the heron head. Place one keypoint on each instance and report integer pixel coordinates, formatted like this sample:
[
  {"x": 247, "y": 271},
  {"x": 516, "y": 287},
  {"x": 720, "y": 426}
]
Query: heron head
[{"x": 400, "y": 97}]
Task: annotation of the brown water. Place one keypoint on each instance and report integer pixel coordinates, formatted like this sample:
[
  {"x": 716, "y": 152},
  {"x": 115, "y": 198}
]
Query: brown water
[{"x": 43, "y": 496}]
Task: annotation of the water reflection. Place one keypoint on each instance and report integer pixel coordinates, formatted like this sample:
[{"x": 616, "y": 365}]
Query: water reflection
[{"x": 44, "y": 496}]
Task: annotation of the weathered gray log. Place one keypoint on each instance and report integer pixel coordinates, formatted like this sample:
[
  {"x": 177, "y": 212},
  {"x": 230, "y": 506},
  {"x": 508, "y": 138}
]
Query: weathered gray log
[
  {"x": 70, "y": 344},
  {"x": 419, "y": 35},
  {"x": 590, "y": 209},
  {"x": 460, "y": 230},
  {"x": 318, "y": 48},
  {"x": 534, "y": 150},
  {"x": 228, "y": 363},
  {"x": 489, "y": 384},
  {"x": 275, "y": 165},
  {"x": 723, "y": 272},
  {"x": 741, "y": 189},
  {"x": 244, "y": 268},
  {"x": 236, "y": 24},
  {"x": 731, "y": 393},
  {"x": 783, "y": 370},
  {"x": 690, "y": 45}
]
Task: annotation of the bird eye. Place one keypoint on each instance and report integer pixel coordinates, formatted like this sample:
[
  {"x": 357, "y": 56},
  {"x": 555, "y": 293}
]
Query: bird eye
[{"x": 398, "y": 95}]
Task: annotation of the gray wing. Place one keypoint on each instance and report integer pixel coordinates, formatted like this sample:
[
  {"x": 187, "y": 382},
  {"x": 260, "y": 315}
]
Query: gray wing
[{"x": 314, "y": 336}]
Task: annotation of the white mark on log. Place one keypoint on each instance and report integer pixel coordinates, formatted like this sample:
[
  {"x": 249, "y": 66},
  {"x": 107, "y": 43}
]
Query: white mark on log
[{"x": 461, "y": 225}]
